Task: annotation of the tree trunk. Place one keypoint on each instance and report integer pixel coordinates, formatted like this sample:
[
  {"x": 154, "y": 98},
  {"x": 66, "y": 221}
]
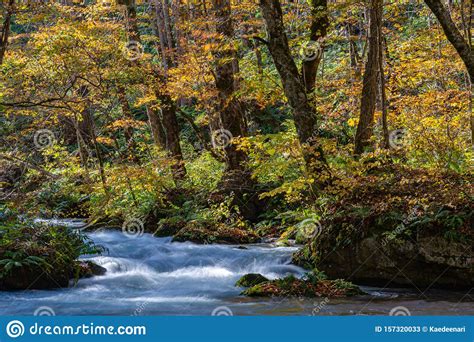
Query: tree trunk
[
  {"x": 237, "y": 178},
  {"x": 160, "y": 32},
  {"x": 353, "y": 30},
  {"x": 6, "y": 29},
  {"x": 294, "y": 88},
  {"x": 127, "y": 113},
  {"x": 89, "y": 136},
  {"x": 167, "y": 24},
  {"x": 383, "y": 93},
  {"x": 369, "y": 87},
  {"x": 165, "y": 129},
  {"x": 170, "y": 131},
  {"x": 230, "y": 110},
  {"x": 319, "y": 28},
  {"x": 463, "y": 48}
]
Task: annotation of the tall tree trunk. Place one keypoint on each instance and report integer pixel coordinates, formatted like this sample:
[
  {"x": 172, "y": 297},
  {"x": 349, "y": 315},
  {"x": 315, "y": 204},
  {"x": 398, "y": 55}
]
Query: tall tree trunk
[
  {"x": 160, "y": 33},
  {"x": 231, "y": 114},
  {"x": 369, "y": 87},
  {"x": 383, "y": 93},
  {"x": 453, "y": 34},
  {"x": 6, "y": 29},
  {"x": 237, "y": 178},
  {"x": 294, "y": 88},
  {"x": 170, "y": 131},
  {"x": 128, "y": 131},
  {"x": 168, "y": 27},
  {"x": 352, "y": 30},
  {"x": 89, "y": 136},
  {"x": 167, "y": 131},
  {"x": 463, "y": 47},
  {"x": 319, "y": 28}
]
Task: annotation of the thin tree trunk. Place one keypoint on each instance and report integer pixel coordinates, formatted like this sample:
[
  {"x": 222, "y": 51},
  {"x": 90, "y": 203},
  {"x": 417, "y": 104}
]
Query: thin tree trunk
[
  {"x": 369, "y": 88},
  {"x": 88, "y": 125},
  {"x": 166, "y": 133},
  {"x": 455, "y": 37},
  {"x": 127, "y": 112},
  {"x": 383, "y": 93},
  {"x": 160, "y": 32},
  {"x": 6, "y": 29},
  {"x": 319, "y": 28},
  {"x": 453, "y": 34},
  {"x": 355, "y": 58},
  {"x": 167, "y": 24}
]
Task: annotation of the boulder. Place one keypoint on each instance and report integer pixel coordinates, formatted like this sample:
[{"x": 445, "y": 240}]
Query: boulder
[
  {"x": 88, "y": 269},
  {"x": 425, "y": 262},
  {"x": 210, "y": 232},
  {"x": 294, "y": 287},
  {"x": 33, "y": 278},
  {"x": 36, "y": 278}
]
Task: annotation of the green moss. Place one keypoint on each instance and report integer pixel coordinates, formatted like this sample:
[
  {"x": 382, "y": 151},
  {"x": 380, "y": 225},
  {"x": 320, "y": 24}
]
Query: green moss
[
  {"x": 260, "y": 290},
  {"x": 250, "y": 280},
  {"x": 311, "y": 286}
]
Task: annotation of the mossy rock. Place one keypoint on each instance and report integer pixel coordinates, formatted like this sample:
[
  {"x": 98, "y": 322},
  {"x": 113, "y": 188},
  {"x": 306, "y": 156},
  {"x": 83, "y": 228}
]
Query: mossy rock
[
  {"x": 34, "y": 277},
  {"x": 39, "y": 256},
  {"x": 294, "y": 287},
  {"x": 414, "y": 230},
  {"x": 250, "y": 280},
  {"x": 207, "y": 232}
]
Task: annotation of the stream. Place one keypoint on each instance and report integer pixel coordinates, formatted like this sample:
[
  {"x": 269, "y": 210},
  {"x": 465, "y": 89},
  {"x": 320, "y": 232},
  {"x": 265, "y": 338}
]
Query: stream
[{"x": 154, "y": 276}]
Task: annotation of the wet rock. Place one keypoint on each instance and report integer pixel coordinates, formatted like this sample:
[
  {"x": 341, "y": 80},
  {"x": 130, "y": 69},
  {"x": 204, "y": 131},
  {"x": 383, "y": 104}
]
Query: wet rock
[
  {"x": 88, "y": 269},
  {"x": 31, "y": 278},
  {"x": 250, "y": 280}
]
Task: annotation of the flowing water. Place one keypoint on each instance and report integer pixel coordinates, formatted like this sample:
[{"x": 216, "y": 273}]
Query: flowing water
[{"x": 154, "y": 276}]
